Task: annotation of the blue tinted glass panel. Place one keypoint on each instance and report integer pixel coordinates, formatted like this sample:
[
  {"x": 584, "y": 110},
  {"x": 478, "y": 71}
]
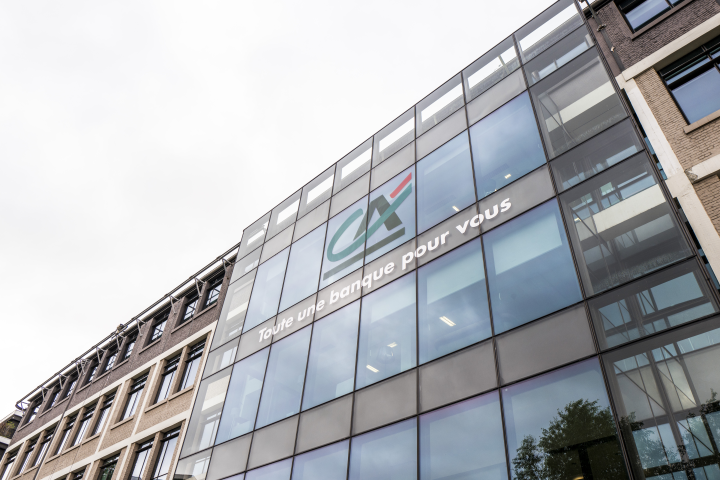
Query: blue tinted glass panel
[
  {"x": 392, "y": 215},
  {"x": 284, "y": 378},
  {"x": 530, "y": 269},
  {"x": 444, "y": 182},
  {"x": 700, "y": 96},
  {"x": 387, "y": 332},
  {"x": 463, "y": 441},
  {"x": 345, "y": 243},
  {"x": 331, "y": 366},
  {"x": 506, "y": 145},
  {"x": 560, "y": 424},
  {"x": 329, "y": 463},
  {"x": 453, "y": 310},
  {"x": 243, "y": 395},
  {"x": 266, "y": 291},
  {"x": 274, "y": 471},
  {"x": 303, "y": 268},
  {"x": 645, "y": 12},
  {"x": 386, "y": 454}
]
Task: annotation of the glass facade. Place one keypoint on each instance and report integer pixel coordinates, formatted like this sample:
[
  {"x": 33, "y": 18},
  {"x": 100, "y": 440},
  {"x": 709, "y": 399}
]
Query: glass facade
[{"x": 495, "y": 285}]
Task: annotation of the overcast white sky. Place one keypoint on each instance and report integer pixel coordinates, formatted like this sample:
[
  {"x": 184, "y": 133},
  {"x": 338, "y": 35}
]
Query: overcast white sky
[{"x": 138, "y": 139}]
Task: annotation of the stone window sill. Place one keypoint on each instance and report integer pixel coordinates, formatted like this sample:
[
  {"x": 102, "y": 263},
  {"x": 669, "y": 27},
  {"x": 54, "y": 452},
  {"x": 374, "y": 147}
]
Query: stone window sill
[
  {"x": 201, "y": 312},
  {"x": 151, "y": 344},
  {"x": 702, "y": 122},
  {"x": 121, "y": 363},
  {"x": 185, "y": 323},
  {"x": 90, "y": 439},
  {"x": 660, "y": 19},
  {"x": 122, "y": 422},
  {"x": 181, "y": 392}
]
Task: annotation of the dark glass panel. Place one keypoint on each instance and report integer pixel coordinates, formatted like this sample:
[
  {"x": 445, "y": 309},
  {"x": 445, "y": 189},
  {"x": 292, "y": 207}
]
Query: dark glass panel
[
  {"x": 558, "y": 55},
  {"x": 386, "y": 454},
  {"x": 275, "y": 471},
  {"x": 303, "y": 268},
  {"x": 344, "y": 243},
  {"x": 329, "y": 463},
  {"x": 266, "y": 291}
]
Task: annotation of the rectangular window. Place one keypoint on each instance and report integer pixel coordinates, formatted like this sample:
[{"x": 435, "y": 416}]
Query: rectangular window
[
  {"x": 439, "y": 105},
  {"x": 158, "y": 325},
  {"x": 329, "y": 462},
  {"x": 560, "y": 424},
  {"x": 65, "y": 436},
  {"x": 530, "y": 268},
  {"x": 107, "y": 468},
  {"x": 274, "y": 471},
  {"x": 243, "y": 397},
  {"x": 193, "y": 468},
  {"x": 331, "y": 365},
  {"x": 266, "y": 291},
  {"x": 666, "y": 395},
  {"x": 621, "y": 225},
  {"x": 52, "y": 398},
  {"x": 558, "y": 55},
  {"x": 191, "y": 302},
  {"x": 110, "y": 362},
  {"x": 387, "y": 332},
  {"x": 134, "y": 397},
  {"x": 464, "y": 440},
  {"x": 353, "y": 165},
  {"x": 344, "y": 251},
  {"x": 234, "y": 309},
  {"x": 389, "y": 453},
  {"x": 316, "y": 192},
  {"x": 303, "y": 270},
  {"x": 283, "y": 215},
  {"x": 104, "y": 412},
  {"x": 70, "y": 383},
  {"x": 43, "y": 448},
  {"x": 489, "y": 69},
  {"x": 165, "y": 455},
  {"x": 33, "y": 409},
  {"x": 444, "y": 183},
  {"x": 453, "y": 310},
  {"x": 7, "y": 468},
  {"x": 168, "y": 375},
  {"x": 78, "y": 475},
  {"x": 214, "y": 288},
  {"x": 694, "y": 81},
  {"x": 253, "y": 236},
  {"x": 575, "y": 103},
  {"x": 191, "y": 365},
  {"x": 639, "y": 13},
  {"x": 141, "y": 458},
  {"x": 205, "y": 417},
  {"x": 92, "y": 372},
  {"x": 27, "y": 456},
  {"x": 506, "y": 145},
  {"x": 84, "y": 423},
  {"x": 130, "y": 344},
  {"x": 221, "y": 358},
  {"x": 282, "y": 389},
  {"x": 547, "y": 28},
  {"x": 393, "y": 137}
]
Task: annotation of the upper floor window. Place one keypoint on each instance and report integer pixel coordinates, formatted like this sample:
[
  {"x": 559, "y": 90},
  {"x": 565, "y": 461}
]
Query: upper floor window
[
  {"x": 167, "y": 447},
  {"x": 191, "y": 303},
  {"x": 65, "y": 434},
  {"x": 84, "y": 423},
  {"x": 639, "y": 13},
  {"x": 33, "y": 410},
  {"x": 141, "y": 458},
  {"x": 78, "y": 475},
  {"x": 167, "y": 378},
  {"x": 158, "y": 325},
  {"x": 112, "y": 356},
  {"x": 108, "y": 467},
  {"x": 7, "y": 468},
  {"x": 53, "y": 397},
  {"x": 130, "y": 344},
  {"x": 694, "y": 81},
  {"x": 134, "y": 397},
  {"x": 70, "y": 383},
  {"x": 28, "y": 454},
  {"x": 43, "y": 447},
  {"x": 104, "y": 412},
  {"x": 214, "y": 287},
  {"x": 191, "y": 365}
]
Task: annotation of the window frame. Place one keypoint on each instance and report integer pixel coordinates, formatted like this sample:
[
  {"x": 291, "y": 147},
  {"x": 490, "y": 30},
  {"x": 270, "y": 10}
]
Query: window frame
[
  {"x": 194, "y": 353},
  {"x": 85, "y": 421},
  {"x": 134, "y": 396},
  {"x": 105, "y": 407},
  {"x": 129, "y": 344},
  {"x": 161, "y": 318},
  {"x": 214, "y": 283},
  {"x": 169, "y": 369},
  {"x": 8, "y": 465},
  {"x": 168, "y": 437},
  {"x": 679, "y": 4},
  {"x": 191, "y": 300},
  {"x": 66, "y": 431}
]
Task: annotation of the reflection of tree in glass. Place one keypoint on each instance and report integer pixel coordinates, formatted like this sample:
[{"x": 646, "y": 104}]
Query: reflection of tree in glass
[{"x": 581, "y": 442}]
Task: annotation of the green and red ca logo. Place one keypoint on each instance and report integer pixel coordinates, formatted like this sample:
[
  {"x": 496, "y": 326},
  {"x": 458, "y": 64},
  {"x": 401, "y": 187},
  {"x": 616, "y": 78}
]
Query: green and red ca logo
[{"x": 388, "y": 221}]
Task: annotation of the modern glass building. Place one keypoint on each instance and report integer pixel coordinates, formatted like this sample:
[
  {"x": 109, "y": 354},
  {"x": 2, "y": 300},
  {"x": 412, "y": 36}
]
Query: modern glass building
[{"x": 496, "y": 285}]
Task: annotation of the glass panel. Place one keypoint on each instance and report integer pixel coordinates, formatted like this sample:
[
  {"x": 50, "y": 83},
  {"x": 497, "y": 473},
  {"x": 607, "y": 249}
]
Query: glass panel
[
  {"x": 234, "y": 309},
  {"x": 284, "y": 215},
  {"x": 253, "y": 236},
  {"x": 329, "y": 463},
  {"x": 353, "y": 165},
  {"x": 672, "y": 297},
  {"x": 354, "y": 192},
  {"x": 276, "y": 244},
  {"x": 386, "y": 454},
  {"x": 576, "y": 103},
  {"x": 700, "y": 96},
  {"x": 266, "y": 292},
  {"x": 449, "y": 128},
  {"x": 275, "y": 471},
  {"x": 393, "y": 137},
  {"x": 345, "y": 243},
  {"x": 387, "y": 170},
  {"x": 453, "y": 310},
  {"x": 245, "y": 264},
  {"x": 463, "y": 441},
  {"x": 303, "y": 268},
  {"x": 496, "y": 96},
  {"x": 273, "y": 443},
  {"x": 221, "y": 358},
  {"x": 665, "y": 391},
  {"x": 391, "y": 215},
  {"x": 547, "y": 28},
  {"x": 284, "y": 378},
  {"x": 325, "y": 424},
  {"x": 317, "y": 191},
  {"x": 229, "y": 458},
  {"x": 242, "y": 397},
  {"x": 331, "y": 366},
  {"x": 311, "y": 221},
  {"x": 530, "y": 268},
  {"x": 506, "y": 145},
  {"x": 444, "y": 182},
  {"x": 596, "y": 155},
  {"x": 385, "y": 402},
  {"x": 560, "y": 424},
  {"x": 193, "y": 468},
  {"x": 643, "y": 12},
  {"x": 205, "y": 417},
  {"x": 387, "y": 332},
  {"x": 437, "y": 106},
  {"x": 621, "y": 225},
  {"x": 489, "y": 69},
  {"x": 558, "y": 55}
]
